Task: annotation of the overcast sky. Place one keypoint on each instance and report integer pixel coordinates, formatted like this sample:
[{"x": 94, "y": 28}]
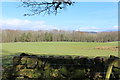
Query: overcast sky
[{"x": 83, "y": 16}]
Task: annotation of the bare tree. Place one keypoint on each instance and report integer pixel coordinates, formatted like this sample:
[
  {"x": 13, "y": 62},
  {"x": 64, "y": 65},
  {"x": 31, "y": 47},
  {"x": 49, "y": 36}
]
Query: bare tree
[
  {"x": 45, "y": 7},
  {"x": 55, "y": 35}
]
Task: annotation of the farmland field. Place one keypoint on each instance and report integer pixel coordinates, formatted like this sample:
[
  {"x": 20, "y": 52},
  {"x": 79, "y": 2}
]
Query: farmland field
[{"x": 61, "y": 48}]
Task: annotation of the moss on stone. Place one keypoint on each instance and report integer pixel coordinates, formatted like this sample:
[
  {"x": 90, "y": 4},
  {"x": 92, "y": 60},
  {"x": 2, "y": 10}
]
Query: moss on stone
[
  {"x": 31, "y": 62},
  {"x": 23, "y": 60},
  {"x": 19, "y": 67},
  {"x": 30, "y": 73}
]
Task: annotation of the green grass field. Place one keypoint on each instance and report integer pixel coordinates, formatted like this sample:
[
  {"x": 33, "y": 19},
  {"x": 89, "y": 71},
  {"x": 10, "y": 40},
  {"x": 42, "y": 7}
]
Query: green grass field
[
  {"x": 56, "y": 48},
  {"x": 59, "y": 48}
]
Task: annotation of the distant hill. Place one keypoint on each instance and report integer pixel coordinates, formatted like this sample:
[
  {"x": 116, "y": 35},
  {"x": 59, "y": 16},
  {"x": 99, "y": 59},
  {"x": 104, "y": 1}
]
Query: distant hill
[{"x": 92, "y": 32}]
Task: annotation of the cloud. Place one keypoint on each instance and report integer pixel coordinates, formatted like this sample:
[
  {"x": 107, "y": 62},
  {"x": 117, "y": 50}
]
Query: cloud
[
  {"x": 89, "y": 29},
  {"x": 115, "y": 27},
  {"x": 18, "y": 24},
  {"x": 97, "y": 29}
]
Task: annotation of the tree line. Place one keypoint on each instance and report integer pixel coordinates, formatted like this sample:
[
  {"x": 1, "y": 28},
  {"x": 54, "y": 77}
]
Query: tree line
[{"x": 57, "y": 36}]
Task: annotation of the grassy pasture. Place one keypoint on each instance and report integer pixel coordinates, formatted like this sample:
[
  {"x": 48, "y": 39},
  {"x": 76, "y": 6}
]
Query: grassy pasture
[
  {"x": 88, "y": 49},
  {"x": 59, "y": 48}
]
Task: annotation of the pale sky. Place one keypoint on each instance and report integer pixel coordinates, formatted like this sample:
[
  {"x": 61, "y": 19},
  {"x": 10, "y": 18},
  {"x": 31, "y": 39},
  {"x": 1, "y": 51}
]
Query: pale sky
[{"x": 83, "y": 16}]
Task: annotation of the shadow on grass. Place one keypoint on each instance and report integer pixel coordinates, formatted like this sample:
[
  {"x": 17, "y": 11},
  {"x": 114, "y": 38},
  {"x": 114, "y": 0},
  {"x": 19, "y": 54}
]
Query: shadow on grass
[{"x": 7, "y": 58}]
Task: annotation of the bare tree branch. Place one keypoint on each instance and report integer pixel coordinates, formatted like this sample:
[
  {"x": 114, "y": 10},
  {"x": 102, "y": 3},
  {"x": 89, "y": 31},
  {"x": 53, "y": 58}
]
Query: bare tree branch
[{"x": 45, "y": 7}]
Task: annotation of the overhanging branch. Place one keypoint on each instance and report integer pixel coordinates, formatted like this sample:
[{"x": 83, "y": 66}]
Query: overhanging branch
[{"x": 45, "y": 7}]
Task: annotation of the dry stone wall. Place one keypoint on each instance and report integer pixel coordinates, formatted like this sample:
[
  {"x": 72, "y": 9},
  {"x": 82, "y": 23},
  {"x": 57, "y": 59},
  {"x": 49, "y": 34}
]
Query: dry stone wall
[{"x": 32, "y": 67}]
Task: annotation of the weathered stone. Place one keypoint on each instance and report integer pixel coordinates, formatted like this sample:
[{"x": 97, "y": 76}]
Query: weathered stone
[
  {"x": 31, "y": 63},
  {"x": 55, "y": 73},
  {"x": 24, "y": 60},
  {"x": 46, "y": 73},
  {"x": 47, "y": 66},
  {"x": 30, "y": 73},
  {"x": 19, "y": 67},
  {"x": 79, "y": 73},
  {"x": 40, "y": 63},
  {"x": 23, "y": 54},
  {"x": 20, "y": 78},
  {"x": 64, "y": 72},
  {"x": 16, "y": 60}
]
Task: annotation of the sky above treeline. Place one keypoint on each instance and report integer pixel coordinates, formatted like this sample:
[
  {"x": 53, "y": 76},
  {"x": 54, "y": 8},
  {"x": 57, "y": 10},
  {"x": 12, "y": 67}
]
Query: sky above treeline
[{"x": 82, "y": 16}]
